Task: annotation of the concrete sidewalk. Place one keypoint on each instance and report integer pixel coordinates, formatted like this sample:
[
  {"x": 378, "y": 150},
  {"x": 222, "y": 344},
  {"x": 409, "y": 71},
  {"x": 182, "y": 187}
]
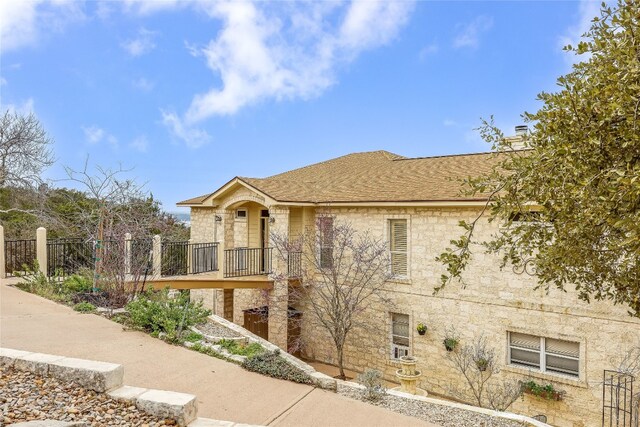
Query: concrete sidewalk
[{"x": 225, "y": 391}]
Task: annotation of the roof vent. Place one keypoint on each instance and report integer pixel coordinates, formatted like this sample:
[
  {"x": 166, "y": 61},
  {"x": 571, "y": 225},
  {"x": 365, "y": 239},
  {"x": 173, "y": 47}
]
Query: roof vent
[{"x": 521, "y": 130}]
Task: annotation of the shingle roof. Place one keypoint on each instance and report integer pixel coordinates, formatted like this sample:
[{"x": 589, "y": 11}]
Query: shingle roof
[{"x": 377, "y": 176}]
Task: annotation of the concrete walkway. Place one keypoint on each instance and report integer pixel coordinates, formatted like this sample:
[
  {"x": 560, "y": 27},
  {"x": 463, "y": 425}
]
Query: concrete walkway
[{"x": 225, "y": 391}]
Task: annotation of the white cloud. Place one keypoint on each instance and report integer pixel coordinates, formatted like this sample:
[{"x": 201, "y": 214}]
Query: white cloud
[
  {"x": 146, "y": 7},
  {"x": 3, "y": 81},
  {"x": 94, "y": 135},
  {"x": 469, "y": 34},
  {"x": 428, "y": 50},
  {"x": 587, "y": 10},
  {"x": 449, "y": 123},
  {"x": 24, "y": 108},
  {"x": 143, "y": 84},
  {"x": 142, "y": 44},
  {"x": 191, "y": 136},
  {"x": 141, "y": 144},
  {"x": 23, "y": 22},
  {"x": 280, "y": 51}
]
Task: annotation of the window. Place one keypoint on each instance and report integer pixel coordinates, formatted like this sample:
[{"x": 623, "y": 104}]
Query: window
[
  {"x": 399, "y": 335},
  {"x": 325, "y": 250},
  {"x": 241, "y": 213},
  {"x": 398, "y": 246},
  {"x": 544, "y": 354}
]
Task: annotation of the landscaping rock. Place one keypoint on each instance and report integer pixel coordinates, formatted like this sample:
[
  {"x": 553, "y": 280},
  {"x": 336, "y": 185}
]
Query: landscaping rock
[
  {"x": 181, "y": 407},
  {"x": 25, "y": 396}
]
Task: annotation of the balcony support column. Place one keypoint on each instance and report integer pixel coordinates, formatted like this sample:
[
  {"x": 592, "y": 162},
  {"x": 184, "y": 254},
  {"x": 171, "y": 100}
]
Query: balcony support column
[{"x": 279, "y": 295}]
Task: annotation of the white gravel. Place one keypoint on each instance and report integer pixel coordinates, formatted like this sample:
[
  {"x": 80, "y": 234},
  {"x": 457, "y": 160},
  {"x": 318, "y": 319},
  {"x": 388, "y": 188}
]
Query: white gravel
[
  {"x": 442, "y": 415},
  {"x": 216, "y": 330}
]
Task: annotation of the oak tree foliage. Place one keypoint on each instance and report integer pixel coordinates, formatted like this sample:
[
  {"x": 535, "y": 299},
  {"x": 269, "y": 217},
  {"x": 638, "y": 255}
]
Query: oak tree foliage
[{"x": 569, "y": 205}]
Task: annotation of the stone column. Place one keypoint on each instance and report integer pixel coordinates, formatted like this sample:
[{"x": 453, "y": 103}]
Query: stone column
[
  {"x": 279, "y": 295},
  {"x": 41, "y": 249},
  {"x": 157, "y": 255},
  {"x": 189, "y": 256},
  {"x": 228, "y": 304},
  {"x": 3, "y": 273},
  {"x": 127, "y": 253},
  {"x": 222, "y": 235}
]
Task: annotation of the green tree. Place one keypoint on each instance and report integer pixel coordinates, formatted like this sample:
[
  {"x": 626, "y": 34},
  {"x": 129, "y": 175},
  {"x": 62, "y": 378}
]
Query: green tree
[{"x": 569, "y": 206}]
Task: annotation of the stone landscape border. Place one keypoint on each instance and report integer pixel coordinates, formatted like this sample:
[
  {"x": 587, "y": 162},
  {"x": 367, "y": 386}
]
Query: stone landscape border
[
  {"x": 107, "y": 378},
  {"x": 329, "y": 383},
  {"x": 318, "y": 378}
]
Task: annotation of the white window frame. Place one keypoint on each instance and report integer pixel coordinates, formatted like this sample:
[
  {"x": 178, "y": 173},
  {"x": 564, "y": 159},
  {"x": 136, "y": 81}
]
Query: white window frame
[
  {"x": 543, "y": 356},
  {"x": 241, "y": 218},
  {"x": 392, "y": 345},
  {"x": 387, "y": 232}
]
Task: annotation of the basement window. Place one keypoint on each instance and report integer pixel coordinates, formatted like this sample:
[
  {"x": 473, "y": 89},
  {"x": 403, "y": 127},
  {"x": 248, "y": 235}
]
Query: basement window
[
  {"x": 399, "y": 335},
  {"x": 544, "y": 354}
]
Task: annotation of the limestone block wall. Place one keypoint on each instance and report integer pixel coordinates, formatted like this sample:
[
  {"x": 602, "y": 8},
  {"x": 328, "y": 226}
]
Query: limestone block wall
[{"x": 493, "y": 303}]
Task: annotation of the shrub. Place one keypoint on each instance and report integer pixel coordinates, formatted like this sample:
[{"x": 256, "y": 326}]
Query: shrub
[
  {"x": 157, "y": 312},
  {"x": 77, "y": 283},
  {"x": 240, "y": 348},
  {"x": 372, "y": 380},
  {"x": 36, "y": 282},
  {"x": 192, "y": 337},
  {"x": 84, "y": 307},
  {"x": 273, "y": 365},
  {"x": 548, "y": 391}
]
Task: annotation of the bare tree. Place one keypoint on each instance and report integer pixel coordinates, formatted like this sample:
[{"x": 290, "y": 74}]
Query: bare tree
[
  {"x": 119, "y": 207},
  {"x": 25, "y": 150},
  {"x": 342, "y": 274},
  {"x": 478, "y": 364}
]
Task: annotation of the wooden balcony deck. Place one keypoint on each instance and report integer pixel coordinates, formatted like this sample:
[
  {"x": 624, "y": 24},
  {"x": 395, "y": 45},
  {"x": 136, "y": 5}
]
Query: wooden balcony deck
[{"x": 212, "y": 280}]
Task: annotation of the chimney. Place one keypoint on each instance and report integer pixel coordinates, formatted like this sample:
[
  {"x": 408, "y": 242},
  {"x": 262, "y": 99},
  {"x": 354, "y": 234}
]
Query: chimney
[
  {"x": 521, "y": 130},
  {"x": 517, "y": 140}
]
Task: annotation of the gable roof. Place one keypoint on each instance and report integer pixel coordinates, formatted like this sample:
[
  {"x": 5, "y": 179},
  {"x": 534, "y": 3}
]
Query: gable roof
[{"x": 376, "y": 176}]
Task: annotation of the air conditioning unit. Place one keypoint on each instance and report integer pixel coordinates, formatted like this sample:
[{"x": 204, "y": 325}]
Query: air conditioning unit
[{"x": 398, "y": 351}]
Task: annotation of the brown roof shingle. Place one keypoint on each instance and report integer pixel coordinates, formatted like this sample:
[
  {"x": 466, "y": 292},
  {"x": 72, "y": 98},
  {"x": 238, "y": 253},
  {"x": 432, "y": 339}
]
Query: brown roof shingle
[{"x": 376, "y": 176}]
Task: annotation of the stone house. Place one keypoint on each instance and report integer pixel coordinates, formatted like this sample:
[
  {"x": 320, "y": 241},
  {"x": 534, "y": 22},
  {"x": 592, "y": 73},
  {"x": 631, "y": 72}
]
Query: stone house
[{"x": 415, "y": 204}]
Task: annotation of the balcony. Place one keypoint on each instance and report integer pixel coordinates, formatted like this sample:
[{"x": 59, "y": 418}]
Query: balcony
[{"x": 240, "y": 262}]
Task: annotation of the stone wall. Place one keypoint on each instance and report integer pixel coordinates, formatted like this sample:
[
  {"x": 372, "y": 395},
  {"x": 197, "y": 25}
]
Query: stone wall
[{"x": 493, "y": 303}]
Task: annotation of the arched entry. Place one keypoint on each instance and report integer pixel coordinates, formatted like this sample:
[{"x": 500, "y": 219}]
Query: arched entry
[{"x": 247, "y": 252}]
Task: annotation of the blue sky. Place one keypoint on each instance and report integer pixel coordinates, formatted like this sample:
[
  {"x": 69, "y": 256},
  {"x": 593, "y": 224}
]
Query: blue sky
[{"x": 192, "y": 93}]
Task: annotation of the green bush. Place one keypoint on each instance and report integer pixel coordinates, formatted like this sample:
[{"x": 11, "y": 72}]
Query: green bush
[
  {"x": 157, "y": 312},
  {"x": 192, "y": 337},
  {"x": 84, "y": 307},
  {"x": 273, "y": 365},
  {"x": 36, "y": 282},
  {"x": 77, "y": 283},
  {"x": 240, "y": 348}
]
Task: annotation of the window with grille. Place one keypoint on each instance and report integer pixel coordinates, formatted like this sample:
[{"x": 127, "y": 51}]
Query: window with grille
[
  {"x": 398, "y": 246},
  {"x": 544, "y": 354},
  {"x": 399, "y": 335},
  {"x": 325, "y": 250}
]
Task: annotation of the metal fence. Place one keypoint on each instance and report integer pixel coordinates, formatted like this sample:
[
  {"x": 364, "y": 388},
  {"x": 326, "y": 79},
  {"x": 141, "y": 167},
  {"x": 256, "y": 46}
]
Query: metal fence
[
  {"x": 617, "y": 399},
  {"x": 19, "y": 255},
  {"x": 294, "y": 264},
  {"x": 67, "y": 256},
  {"x": 241, "y": 262},
  {"x": 182, "y": 258},
  {"x": 204, "y": 257}
]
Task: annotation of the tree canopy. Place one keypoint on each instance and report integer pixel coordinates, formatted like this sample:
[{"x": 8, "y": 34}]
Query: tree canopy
[{"x": 569, "y": 204}]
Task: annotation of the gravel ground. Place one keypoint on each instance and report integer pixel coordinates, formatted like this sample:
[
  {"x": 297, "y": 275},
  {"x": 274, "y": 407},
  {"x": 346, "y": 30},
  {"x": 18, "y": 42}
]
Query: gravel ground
[
  {"x": 216, "y": 330},
  {"x": 27, "y": 397},
  {"x": 442, "y": 415}
]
